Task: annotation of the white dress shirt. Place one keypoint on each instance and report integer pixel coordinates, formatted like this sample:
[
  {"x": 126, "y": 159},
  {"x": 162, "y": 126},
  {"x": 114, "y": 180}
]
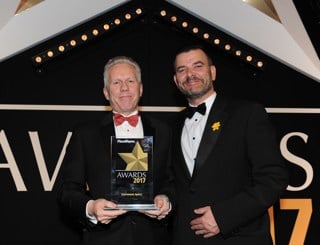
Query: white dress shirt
[
  {"x": 125, "y": 130},
  {"x": 192, "y": 133}
]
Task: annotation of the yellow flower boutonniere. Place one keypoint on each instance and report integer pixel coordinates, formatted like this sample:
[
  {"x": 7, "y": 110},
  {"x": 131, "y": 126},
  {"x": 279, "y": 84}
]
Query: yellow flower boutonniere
[{"x": 215, "y": 126}]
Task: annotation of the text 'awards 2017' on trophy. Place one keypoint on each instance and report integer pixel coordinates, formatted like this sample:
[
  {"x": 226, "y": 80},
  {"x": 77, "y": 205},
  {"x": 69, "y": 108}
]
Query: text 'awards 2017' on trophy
[{"x": 132, "y": 173}]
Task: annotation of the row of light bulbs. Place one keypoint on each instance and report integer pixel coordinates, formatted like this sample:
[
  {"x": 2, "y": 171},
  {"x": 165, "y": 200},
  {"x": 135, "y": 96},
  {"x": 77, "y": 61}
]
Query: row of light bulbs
[
  {"x": 78, "y": 40},
  {"x": 185, "y": 25},
  {"x": 129, "y": 16}
]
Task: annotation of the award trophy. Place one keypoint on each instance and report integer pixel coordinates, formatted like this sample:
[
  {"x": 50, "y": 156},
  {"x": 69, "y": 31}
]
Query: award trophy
[{"x": 131, "y": 173}]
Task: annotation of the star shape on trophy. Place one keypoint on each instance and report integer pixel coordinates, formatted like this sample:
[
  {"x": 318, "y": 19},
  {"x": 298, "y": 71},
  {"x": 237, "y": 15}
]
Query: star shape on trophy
[{"x": 137, "y": 160}]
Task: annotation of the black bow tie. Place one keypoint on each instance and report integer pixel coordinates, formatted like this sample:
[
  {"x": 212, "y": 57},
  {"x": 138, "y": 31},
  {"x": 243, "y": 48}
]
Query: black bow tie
[{"x": 191, "y": 110}]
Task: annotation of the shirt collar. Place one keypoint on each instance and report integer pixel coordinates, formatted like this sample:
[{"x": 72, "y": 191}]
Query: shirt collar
[{"x": 209, "y": 102}]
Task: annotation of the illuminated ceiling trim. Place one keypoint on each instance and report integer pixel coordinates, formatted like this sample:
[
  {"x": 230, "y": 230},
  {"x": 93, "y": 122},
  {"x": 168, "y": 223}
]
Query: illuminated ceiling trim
[
  {"x": 183, "y": 21},
  {"x": 93, "y": 32},
  {"x": 288, "y": 42},
  {"x": 46, "y": 20}
]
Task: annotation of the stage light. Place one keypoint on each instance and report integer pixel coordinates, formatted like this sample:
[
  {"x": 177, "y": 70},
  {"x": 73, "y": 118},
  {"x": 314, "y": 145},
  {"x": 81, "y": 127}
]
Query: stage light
[
  {"x": 38, "y": 59},
  {"x": 206, "y": 35},
  {"x": 73, "y": 42},
  {"x": 173, "y": 18},
  {"x": 95, "y": 32},
  {"x": 50, "y": 53},
  {"x": 128, "y": 16},
  {"x": 61, "y": 48},
  {"x": 84, "y": 37},
  {"x": 260, "y": 64},
  {"x": 184, "y": 24}
]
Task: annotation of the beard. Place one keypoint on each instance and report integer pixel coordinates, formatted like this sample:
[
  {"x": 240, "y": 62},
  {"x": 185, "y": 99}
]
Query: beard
[{"x": 195, "y": 94}]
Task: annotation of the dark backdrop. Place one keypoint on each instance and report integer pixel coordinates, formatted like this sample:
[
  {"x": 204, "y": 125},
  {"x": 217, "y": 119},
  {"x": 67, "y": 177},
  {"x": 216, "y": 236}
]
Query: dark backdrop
[{"x": 33, "y": 139}]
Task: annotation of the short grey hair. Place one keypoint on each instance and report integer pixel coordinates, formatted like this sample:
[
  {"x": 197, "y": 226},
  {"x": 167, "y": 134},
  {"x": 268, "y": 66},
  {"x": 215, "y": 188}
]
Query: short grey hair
[{"x": 120, "y": 60}]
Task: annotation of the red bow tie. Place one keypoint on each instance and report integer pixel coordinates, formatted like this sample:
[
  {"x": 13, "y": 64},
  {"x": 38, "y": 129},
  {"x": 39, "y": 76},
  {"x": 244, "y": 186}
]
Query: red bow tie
[{"x": 132, "y": 120}]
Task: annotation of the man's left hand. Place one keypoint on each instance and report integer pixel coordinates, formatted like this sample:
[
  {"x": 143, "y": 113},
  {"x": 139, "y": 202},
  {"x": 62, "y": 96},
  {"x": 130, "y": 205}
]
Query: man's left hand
[
  {"x": 206, "y": 224},
  {"x": 163, "y": 204}
]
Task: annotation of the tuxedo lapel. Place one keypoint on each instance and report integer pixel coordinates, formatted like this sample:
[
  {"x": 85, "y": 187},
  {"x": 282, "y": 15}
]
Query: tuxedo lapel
[
  {"x": 148, "y": 129},
  {"x": 211, "y": 133},
  {"x": 107, "y": 130},
  {"x": 179, "y": 154}
]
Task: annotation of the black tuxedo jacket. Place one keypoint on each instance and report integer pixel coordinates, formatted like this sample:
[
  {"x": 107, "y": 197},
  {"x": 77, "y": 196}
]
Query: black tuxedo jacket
[
  {"x": 86, "y": 175},
  {"x": 239, "y": 172}
]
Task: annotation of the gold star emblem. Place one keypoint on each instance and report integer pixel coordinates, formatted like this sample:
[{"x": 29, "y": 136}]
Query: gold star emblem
[
  {"x": 137, "y": 160},
  {"x": 216, "y": 126}
]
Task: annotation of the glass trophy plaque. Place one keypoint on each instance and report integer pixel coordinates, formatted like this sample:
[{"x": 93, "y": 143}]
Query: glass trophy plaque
[{"x": 132, "y": 173}]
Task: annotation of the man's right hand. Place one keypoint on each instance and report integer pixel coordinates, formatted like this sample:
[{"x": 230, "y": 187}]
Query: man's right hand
[{"x": 99, "y": 209}]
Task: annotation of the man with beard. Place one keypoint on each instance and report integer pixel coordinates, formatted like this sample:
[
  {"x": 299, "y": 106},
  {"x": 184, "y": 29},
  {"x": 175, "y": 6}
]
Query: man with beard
[{"x": 227, "y": 164}]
